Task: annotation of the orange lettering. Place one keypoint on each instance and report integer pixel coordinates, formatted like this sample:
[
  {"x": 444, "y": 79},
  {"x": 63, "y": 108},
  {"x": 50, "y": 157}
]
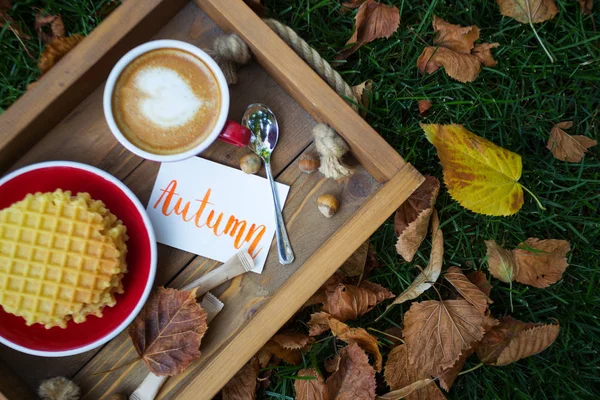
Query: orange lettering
[
  {"x": 215, "y": 226},
  {"x": 239, "y": 227},
  {"x": 253, "y": 229},
  {"x": 169, "y": 192},
  {"x": 203, "y": 204}
]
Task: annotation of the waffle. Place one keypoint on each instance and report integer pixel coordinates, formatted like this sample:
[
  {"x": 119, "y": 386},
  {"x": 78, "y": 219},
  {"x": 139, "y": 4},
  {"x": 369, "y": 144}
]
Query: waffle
[{"x": 62, "y": 257}]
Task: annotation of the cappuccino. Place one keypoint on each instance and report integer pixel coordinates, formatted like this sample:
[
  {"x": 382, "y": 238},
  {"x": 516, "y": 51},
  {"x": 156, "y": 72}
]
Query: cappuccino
[{"x": 166, "y": 101}]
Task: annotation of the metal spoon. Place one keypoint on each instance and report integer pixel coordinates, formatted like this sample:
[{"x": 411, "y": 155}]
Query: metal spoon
[{"x": 265, "y": 131}]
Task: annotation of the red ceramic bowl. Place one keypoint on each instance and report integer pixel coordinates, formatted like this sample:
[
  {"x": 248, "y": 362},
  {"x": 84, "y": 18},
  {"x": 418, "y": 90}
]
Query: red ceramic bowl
[{"x": 141, "y": 258}]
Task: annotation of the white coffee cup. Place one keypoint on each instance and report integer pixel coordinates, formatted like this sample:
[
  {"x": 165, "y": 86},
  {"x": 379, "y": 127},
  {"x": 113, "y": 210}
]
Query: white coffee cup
[{"x": 228, "y": 131}]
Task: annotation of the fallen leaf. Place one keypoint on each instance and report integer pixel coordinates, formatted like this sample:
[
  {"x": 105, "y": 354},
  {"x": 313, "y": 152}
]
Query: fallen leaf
[
  {"x": 449, "y": 375},
  {"x": 430, "y": 274},
  {"x": 483, "y": 51},
  {"x": 243, "y": 384},
  {"x": 49, "y": 27},
  {"x": 424, "y": 106},
  {"x": 480, "y": 280},
  {"x": 528, "y": 11},
  {"x": 167, "y": 332},
  {"x": 455, "y": 50},
  {"x": 394, "y": 335},
  {"x": 355, "y": 265},
  {"x": 565, "y": 147},
  {"x": 359, "y": 336},
  {"x": 318, "y": 324},
  {"x": 587, "y": 6},
  {"x": 501, "y": 262},
  {"x": 322, "y": 322},
  {"x": 353, "y": 3},
  {"x": 330, "y": 284},
  {"x": 55, "y": 50},
  {"x": 332, "y": 364},
  {"x": 437, "y": 332},
  {"x": 287, "y": 346},
  {"x": 469, "y": 291},
  {"x": 405, "y": 392},
  {"x": 373, "y": 21},
  {"x": 541, "y": 262},
  {"x": 310, "y": 389},
  {"x": 400, "y": 374},
  {"x": 412, "y": 217},
  {"x": 346, "y": 302},
  {"x": 5, "y": 5},
  {"x": 361, "y": 92},
  {"x": 513, "y": 340},
  {"x": 480, "y": 175},
  {"x": 355, "y": 378}
]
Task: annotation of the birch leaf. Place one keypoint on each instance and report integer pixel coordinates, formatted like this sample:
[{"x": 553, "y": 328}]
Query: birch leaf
[
  {"x": 411, "y": 219},
  {"x": 528, "y": 11},
  {"x": 243, "y": 384},
  {"x": 429, "y": 275},
  {"x": 480, "y": 175},
  {"x": 501, "y": 262},
  {"x": 354, "y": 379},
  {"x": 541, "y": 262},
  {"x": 469, "y": 291},
  {"x": 480, "y": 280},
  {"x": 437, "y": 332},
  {"x": 565, "y": 147},
  {"x": 513, "y": 340},
  {"x": 310, "y": 389}
]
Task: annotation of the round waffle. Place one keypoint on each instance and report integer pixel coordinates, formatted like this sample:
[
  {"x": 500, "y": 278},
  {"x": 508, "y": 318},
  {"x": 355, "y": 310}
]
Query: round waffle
[{"x": 62, "y": 257}]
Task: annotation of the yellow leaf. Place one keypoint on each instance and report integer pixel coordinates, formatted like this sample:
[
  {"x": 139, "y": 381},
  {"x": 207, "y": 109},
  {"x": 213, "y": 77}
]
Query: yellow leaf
[{"x": 480, "y": 175}]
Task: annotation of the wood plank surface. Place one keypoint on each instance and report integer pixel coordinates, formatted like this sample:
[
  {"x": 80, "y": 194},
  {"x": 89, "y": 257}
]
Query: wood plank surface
[
  {"x": 78, "y": 74},
  {"x": 84, "y": 136},
  {"x": 305, "y": 86},
  {"x": 11, "y": 386}
]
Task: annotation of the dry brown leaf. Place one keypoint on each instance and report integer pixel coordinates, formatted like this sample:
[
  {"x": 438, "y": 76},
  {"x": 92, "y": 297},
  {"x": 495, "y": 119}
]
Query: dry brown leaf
[
  {"x": 430, "y": 274},
  {"x": 355, "y": 265},
  {"x": 424, "y": 106},
  {"x": 513, "y": 340},
  {"x": 332, "y": 364},
  {"x": 412, "y": 217},
  {"x": 55, "y": 50},
  {"x": 526, "y": 11},
  {"x": 353, "y": 3},
  {"x": 541, "y": 262},
  {"x": 361, "y": 92},
  {"x": 565, "y": 147},
  {"x": 449, "y": 375},
  {"x": 437, "y": 332},
  {"x": 405, "y": 392},
  {"x": 346, "y": 302},
  {"x": 330, "y": 284},
  {"x": 501, "y": 262},
  {"x": 310, "y": 389},
  {"x": 399, "y": 374},
  {"x": 468, "y": 290},
  {"x": 373, "y": 21},
  {"x": 287, "y": 346},
  {"x": 394, "y": 335},
  {"x": 355, "y": 378},
  {"x": 456, "y": 51},
  {"x": 49, "y": 27},
  {"x": 5, "y": 5},
  {"x": 318, "y": 324},
  {"x": 359, "y": 336},
  {"x": 322, "y": 322},
  {"x": 587, "y": 6},
  {"x": 480, "y": 280},
  {"x": 243, "y": 384},
  {"x": 167, "y": 332},
  {"x": 483, "y": 51}
]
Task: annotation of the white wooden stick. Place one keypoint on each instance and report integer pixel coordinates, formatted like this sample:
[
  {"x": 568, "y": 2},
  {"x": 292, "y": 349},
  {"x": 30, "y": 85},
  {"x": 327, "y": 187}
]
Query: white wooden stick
[{"x": 240, "y": 263}]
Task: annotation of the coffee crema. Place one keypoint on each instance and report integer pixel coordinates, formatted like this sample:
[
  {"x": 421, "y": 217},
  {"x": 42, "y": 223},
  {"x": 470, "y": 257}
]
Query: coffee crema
[{"x": 166, "y": 101}]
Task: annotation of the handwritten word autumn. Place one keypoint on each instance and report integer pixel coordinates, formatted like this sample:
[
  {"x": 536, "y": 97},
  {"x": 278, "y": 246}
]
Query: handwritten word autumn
[{"x": 202, "y": 213}]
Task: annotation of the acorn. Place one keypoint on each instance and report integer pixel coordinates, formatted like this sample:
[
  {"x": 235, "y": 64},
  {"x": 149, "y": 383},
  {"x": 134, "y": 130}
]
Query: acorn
[
  {"x": 328, "y": 204},
  {"x": 309, "y": 163},
  {"x": 250, "y": 163}
]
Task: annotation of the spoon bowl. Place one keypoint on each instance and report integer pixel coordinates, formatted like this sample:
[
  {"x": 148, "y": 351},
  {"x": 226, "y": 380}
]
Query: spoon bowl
[{"x": 265, "y": 132}]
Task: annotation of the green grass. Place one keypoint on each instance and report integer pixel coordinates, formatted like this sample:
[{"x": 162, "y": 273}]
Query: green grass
[{"x": 514, "y": 105}]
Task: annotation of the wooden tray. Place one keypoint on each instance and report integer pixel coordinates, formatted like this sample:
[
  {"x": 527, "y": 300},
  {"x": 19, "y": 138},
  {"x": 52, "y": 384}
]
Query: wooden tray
[{"x": 62, "y": 118}]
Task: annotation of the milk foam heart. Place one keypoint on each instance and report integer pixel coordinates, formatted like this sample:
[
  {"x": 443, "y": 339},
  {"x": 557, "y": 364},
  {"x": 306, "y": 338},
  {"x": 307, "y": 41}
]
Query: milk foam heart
[
  {"x": 166, "y": 101},
  {"x": 169, "y": 101}
]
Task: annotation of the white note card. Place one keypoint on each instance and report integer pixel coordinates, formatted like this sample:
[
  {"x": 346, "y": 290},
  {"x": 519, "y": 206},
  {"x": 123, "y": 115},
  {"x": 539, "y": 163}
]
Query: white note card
[{"x": 214, "y": 211}]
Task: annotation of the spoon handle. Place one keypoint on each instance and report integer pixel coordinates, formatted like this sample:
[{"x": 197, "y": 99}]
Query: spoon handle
[{"x": 284, "y": 248}]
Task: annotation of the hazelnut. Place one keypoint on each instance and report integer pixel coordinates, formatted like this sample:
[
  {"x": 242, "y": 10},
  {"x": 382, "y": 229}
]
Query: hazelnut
[
  {"x": 309, "y": 163},
  {"x": 250, "y": 163},
  {"x": 328, "y": 205}
]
